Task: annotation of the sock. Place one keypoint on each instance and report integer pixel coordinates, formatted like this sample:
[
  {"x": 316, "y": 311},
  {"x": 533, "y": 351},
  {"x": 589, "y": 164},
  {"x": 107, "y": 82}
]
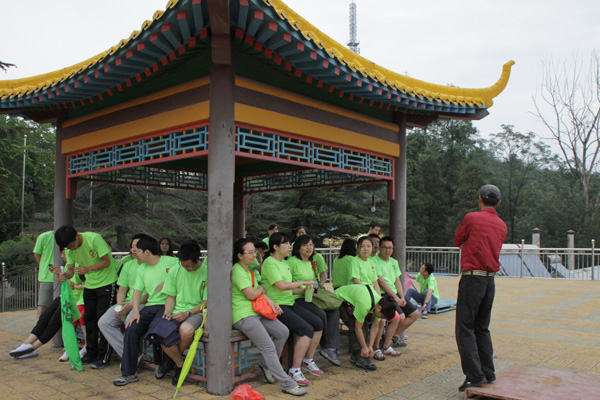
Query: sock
[
  {"x": 294, "y": 370},
  {"x": 307, "y": 360}
]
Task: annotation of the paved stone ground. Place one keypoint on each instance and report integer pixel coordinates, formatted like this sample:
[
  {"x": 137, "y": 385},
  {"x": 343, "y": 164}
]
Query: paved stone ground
[{"x": 551, "y": 323}]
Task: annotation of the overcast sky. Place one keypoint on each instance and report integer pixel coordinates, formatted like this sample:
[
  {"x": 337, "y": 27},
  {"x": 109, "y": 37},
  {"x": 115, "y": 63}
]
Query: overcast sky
[{"x": 458, "y": 42}]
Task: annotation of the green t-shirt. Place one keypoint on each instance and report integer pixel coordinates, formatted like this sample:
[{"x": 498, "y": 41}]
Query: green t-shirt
[
  {"x": 189, "y": 288},
  {"x": 149, "y": 277},
  {"x": 301, "y": 271},
  {"x": 77, "y": 293},
  {"x": 389, "y": 270},
  {"x": 266, "y": 240},
  {"x": 92, "y": 249},
  {"x": 128, "y": 276},
  {"x": 252, "y": 267},
  {"x": 363, "y": 270},
  {"x": 359, "y": 297},
  {"x": 341, "y": 270},
  {"x": 274, "y": 271},
  {"x": 44, "y": 246},
  {"x": 321, "y": 264},
  {"x": 429, "y": 283},
  {"x": 241, "y": 307}
]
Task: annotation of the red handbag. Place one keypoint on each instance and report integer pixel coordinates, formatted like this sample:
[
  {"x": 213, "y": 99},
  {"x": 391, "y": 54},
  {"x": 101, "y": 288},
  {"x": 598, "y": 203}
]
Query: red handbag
[{"x": 261, "y": 306}]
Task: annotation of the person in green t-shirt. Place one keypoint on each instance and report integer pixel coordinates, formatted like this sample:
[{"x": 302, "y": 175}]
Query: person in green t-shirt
[
  {"x": 43, "y": 252},
  {"x": 342, "y": 265},
  {"x": 269, "y": 336},
  {"x": 150, "y": 278},
  {"x": 428, "y": 294},
  {"x": 358, "y": 302},
  {"x": 375, "y": 241},
  {"x": 271, "y": 230},
  {"x": 279, "y": 286},
  {"x": 185, "y": 288},
  {"x": 77, "y": 285},
  {"x": 363, "y": 268},
  {"x": 113, "y": 321},
  {"x": 304, "y": 268},
  {"x": 388, "y": 273},
  {"x": 95, "y": 261}
]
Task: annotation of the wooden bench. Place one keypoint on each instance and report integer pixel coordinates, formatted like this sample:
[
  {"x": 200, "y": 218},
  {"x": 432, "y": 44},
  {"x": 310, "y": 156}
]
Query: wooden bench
[{"x": 246, "y": 356}]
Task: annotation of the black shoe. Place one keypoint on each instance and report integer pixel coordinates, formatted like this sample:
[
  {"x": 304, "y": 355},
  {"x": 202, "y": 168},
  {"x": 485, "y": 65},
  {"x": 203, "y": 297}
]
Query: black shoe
[
  {"x": 87, "y": 360},
  {"x": 491, "y": 379},
  {"x": 366, "y": 363},
  {"x": 164, "y": 368},
  {"x": 99, "y": 364},
  {"x": 176, "y": 375},
  {"x": 467, "y": 384}
]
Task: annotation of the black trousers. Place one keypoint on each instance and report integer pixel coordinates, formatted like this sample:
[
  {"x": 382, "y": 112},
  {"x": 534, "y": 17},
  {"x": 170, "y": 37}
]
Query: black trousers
[
  {"x": 473, "y": 315},
  {"x": 134, "y": 336},
  {"x": 97, "y": 302},
  {"x": 49, "y": 322},
  {"x": 350, "y": 322}
]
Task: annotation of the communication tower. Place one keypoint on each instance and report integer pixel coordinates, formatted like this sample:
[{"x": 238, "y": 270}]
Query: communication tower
[{"x": 353, "y": 42}]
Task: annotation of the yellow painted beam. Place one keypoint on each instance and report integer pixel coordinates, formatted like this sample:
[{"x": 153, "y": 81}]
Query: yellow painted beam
[
  {"x": 285, "y": 123},
  {"x": 129, "y": 130}
]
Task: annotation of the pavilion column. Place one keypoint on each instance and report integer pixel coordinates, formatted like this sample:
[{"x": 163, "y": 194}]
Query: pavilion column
[
  {"x": 63, "y": 207},
  {"x": 239, "y": 211},
  {"x": 398, "y": 205},
  {"x": 221, "y": 171}
]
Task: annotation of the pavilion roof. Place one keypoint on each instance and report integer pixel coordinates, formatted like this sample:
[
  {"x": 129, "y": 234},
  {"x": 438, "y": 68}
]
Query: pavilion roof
[{"x": 269, "y": 28}]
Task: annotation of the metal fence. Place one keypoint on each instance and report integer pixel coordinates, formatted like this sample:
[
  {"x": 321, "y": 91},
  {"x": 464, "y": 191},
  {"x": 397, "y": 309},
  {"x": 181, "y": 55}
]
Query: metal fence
[
  {"x": 19, "y": 289},
  {"x": 568, "y": 263}
]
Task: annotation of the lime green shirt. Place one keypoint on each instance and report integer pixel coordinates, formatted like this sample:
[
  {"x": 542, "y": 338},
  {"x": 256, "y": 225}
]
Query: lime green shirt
[
  {"x": 128, "y": 276},
  {"x": 44, "y": 246},
  {"x": 274, "y": 271},
  {"x": 429, "y": 283},
  {"x": 77, "y": 293},
  {"x": 389, "y": 270},
  {"x": 189, "y": 288},
  {"x": 341, "y": 271},
  {"x": 149, "y": 277},
  {"x": 363, "y": 270},
  {"x": 359, "y": 297},
  {"x": 301, "y": 271},
  {"x": 92, "y": 249},
  {"x": 241, "y": 306},
  {"x": 321, "y": 264}
]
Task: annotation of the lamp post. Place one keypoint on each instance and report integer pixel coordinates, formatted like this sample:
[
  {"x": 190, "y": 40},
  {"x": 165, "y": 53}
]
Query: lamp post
[{"x": 23, "y": 186}]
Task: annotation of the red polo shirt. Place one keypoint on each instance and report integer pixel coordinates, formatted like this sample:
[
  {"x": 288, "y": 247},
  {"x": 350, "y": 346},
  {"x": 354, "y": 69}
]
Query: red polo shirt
[{"x": 481, "y": 235}]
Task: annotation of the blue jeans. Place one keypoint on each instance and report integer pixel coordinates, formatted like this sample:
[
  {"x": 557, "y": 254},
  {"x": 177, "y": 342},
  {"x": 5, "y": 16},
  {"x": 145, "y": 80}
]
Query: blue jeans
[{"x": 420, "y": 298}]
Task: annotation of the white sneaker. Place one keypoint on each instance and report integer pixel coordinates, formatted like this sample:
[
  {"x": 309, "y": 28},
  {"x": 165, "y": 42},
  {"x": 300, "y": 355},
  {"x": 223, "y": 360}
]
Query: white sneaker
[
  {"x": 28, "y": 355},
  {"x": 82, "y": 352},
  {"x": 64, "y": 357},
  {"x": 21, "y": 350}
]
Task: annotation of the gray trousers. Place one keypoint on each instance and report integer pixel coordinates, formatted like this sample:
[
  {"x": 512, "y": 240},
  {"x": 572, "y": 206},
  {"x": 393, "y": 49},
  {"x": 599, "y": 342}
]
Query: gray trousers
[
  {"x": 260, "y": 330},
  {"x": 110, "y": 325}
]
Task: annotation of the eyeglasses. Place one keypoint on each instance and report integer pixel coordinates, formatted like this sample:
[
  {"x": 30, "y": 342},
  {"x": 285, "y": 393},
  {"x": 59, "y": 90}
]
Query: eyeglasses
[
  {"x": 308, "y": 245},
  {"x": 250, "y": 252},
  {"x": 387, "y": 247}
]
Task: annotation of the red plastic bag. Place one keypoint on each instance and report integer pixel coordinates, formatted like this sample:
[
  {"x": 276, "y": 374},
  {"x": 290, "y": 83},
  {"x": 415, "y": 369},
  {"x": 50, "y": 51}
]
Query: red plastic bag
[{"x": 245, "y": 392}]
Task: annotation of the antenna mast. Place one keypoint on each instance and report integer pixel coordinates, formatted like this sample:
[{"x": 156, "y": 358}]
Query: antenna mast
[{"x": 353, "y": 42}]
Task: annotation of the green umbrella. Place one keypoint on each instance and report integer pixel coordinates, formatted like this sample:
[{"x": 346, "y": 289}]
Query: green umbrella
[
  {"x": 189, "y": 358},
  {"x": 68, "y": 314}
]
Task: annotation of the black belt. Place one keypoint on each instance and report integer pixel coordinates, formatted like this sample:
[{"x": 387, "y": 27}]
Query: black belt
[{"x": 479, "y": 272}]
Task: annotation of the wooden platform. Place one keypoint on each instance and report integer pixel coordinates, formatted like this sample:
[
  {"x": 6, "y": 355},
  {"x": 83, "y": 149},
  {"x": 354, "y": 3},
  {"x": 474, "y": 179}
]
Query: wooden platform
[{"x": 526, "y": 382}]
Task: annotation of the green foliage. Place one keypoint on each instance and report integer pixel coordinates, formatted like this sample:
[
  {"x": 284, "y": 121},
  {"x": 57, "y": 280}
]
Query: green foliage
[
  {"x": 17, "y": 253},
  {"x": 39, "y": 172}
]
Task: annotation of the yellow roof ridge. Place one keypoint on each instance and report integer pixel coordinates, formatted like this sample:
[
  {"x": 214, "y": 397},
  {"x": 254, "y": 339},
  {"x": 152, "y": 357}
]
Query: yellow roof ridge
[
  {"x": 18, "y": 87},
  {"x": 385, "y": 76}
]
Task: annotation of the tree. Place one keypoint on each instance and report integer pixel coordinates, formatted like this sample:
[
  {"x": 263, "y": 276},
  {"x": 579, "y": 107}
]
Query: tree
[
  {"x": 4, "y": 66},
  {"x": 569, "y": 106},
  {"x": 520, "y": 156}
]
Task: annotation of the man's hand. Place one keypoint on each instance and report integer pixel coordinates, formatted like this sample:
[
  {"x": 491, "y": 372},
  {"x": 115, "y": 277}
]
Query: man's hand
[
  {"x": 135, "y": 317},
  {"x": 125, "y": 310},
  {"x": 81, "y": 270},
  {"x": 159, "y": 287}
]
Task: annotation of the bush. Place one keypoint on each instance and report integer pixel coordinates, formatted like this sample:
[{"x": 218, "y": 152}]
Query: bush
[{"x": 17, "y": 254}]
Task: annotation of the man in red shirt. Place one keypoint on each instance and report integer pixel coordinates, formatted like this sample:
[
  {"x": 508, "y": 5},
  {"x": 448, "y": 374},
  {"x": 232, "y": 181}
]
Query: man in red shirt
[{"x": 480, "y": 237}]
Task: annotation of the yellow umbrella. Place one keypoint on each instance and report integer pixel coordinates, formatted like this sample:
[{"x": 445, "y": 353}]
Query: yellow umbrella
[{"x": 189, "y": 358}]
